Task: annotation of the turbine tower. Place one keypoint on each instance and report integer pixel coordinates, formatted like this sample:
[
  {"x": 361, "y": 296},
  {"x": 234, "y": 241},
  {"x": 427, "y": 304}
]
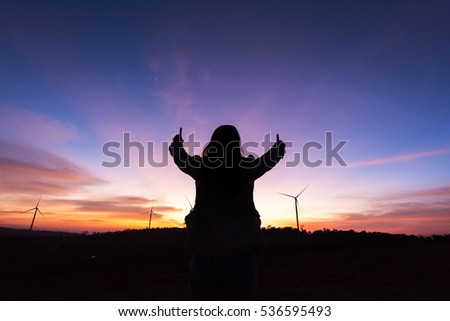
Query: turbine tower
[
  {"x": 35, "y": 209},
  {"x": 296, "y": 204},
  {"x": 150, "y": 214}
]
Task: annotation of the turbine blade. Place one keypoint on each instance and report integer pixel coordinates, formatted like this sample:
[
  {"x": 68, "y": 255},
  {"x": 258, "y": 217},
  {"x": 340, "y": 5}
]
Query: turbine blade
[
  {"x": 297, "y": 205},
  {"x": 31, "y": 209},
  {"x": 302, "y": 191},
  {"x": 287, "y": 195},
  {"x": 300, "y": 209},
  {"x": 189, "y": 202},
  {"x": 41, "y": 213},
  {"x": 39, "y": 200}
]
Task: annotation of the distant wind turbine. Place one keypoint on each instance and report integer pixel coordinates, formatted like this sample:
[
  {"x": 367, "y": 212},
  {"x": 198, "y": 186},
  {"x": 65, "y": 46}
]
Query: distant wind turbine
[
  {"x": 150, "y": 214},
  {"x": 35, "y": 209},
  {"x": 296, "y": 204}
]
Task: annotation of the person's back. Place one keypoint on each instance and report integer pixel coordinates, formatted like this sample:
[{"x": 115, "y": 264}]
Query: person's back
[
  {"x": 225, "y": 213},
  {"x": 224, "y": 226}
]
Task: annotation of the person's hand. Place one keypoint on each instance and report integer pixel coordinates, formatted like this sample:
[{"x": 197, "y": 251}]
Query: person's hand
[
  {"x": 178, "y": 137},
  {"x": 177, "y": 142},
  {"x": 281, "y": 146}
]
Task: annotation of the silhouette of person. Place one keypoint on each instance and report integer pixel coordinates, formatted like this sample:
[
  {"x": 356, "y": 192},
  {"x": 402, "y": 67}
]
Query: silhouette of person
[{"x": 223, "y": 228}]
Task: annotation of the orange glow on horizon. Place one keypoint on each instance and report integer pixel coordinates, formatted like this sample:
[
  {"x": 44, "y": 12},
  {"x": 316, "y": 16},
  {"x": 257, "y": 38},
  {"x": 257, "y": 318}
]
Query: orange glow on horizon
[{"x": 103, "y": 222}]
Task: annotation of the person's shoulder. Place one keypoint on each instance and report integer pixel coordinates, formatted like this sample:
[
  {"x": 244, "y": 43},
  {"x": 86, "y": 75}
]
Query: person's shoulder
[{"x": 249, "y": 162}]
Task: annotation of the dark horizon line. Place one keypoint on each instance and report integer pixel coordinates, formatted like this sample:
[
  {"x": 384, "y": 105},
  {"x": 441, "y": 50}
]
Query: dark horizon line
[{"x": 271, "y": 228}]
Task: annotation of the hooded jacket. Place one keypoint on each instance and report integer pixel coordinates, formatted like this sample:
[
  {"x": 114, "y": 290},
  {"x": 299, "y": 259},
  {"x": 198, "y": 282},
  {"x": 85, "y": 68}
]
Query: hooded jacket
[{"x": 224, "y": 219}]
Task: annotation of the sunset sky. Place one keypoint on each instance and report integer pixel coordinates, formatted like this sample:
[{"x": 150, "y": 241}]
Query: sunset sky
[{"x": 75, "y": 75}]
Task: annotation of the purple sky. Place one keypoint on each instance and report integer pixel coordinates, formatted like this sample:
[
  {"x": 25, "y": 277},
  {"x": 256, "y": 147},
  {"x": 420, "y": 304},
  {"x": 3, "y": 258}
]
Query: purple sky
[{"x": 75, "y": 75}]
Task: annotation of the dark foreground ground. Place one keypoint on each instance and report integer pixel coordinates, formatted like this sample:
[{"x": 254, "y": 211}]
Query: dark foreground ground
[{"x": 151, "y": 265}]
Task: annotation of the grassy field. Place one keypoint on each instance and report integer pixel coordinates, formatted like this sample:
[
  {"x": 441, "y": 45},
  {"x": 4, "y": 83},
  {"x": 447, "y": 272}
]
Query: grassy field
[{"x": 152, "y": 265}]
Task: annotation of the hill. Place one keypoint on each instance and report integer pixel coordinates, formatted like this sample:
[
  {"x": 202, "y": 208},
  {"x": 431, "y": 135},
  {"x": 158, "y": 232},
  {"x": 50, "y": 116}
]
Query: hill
[
  {"x": 152, "y": 265},
  {"x": 25, "y": 232}
]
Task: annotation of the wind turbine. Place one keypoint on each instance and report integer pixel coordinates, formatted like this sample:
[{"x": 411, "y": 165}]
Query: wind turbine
[
  {"x": 296, "y": 203},
  {"x": 150, "y": 212},
  {"x": 36, "y": 209}
]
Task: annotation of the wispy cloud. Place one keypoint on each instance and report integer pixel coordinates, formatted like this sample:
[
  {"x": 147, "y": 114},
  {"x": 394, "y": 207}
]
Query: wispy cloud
[
  {"x": 178, "y": 87},
  {"x": 176, "y": 95},
  {"x": 95, "y": 213},
  {"x": 400, "y": 158},
  {"x": 27, "y": 169},
  {"x": 422, "y": 218},
  {"x": 434, "y": 192},
  {"x": 113, "y": 207},
  {"x": 419, "y": 211},
  {"x": 431, "y": 192},
  {"x": 25, "y": 126}
]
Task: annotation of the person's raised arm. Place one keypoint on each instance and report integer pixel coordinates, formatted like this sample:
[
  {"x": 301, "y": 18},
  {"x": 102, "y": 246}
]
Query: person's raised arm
[
  {"x": 267, "y": 161},
  {"x": 186, "y": 163}
]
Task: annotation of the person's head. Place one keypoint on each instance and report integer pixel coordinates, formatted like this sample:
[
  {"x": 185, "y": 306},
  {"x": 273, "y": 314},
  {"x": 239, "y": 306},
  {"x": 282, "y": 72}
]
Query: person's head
[{"x": 225, "y": 145}]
